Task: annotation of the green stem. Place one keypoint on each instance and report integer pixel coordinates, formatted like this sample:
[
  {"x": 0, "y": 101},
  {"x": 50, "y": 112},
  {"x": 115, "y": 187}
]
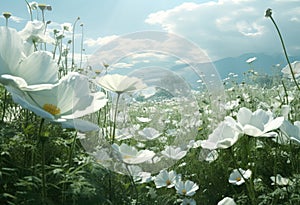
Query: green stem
[
  {"x": 133, "y": 184},
  {"x": 42, "y": 140},
  {"x": 72, "y": 149},
  {"x": 30, "y": 10},
  {"x": 285, "y": 52},
  {"x": 81, "y": 47},
  {"x": 73, "y": 44},
  {"x": 4, "y": 105},
  {"x": 115, "y": 118}
]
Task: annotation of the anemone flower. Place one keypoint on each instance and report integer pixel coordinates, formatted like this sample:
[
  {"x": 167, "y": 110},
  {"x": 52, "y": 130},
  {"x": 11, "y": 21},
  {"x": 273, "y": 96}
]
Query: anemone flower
[
  {"x": 295, "y": 68},
  {"x": 224, "y": 136},
  {"x": 149, "y": 133},
  {"x": 258, "y": 123},
  {"x": 34, "y": 32},
  {"x": 237, "y": 177},
  {"x": 120, "y": 83},
  {"x": 131, "y": 155},
  {"x": 173, "y": 152},
  {"x": 64, "y": 102},
  {"x": 291, "y": 130},
  {"x": 166, "y": 179},
  {"x": 20, "y": 70},
  {"x": 187, "y": 188}
]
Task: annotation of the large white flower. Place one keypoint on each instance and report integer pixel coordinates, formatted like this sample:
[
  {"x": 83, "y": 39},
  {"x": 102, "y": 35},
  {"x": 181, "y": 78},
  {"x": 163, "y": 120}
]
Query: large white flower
[
  {"x": 295, "y": 68},
  {"x": 67, "y": 100},
  {"x": 19, "y": 70},
  {"x": 224, "y": 136},
  {"x": 258, "y": 123},
  {"x": 131, "y": 155},
  {"x": 120, "y": 83}
]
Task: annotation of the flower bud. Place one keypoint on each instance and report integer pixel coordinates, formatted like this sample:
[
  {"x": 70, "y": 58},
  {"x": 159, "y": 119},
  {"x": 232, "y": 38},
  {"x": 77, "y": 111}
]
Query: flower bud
[{"x": 268, "y": 13}]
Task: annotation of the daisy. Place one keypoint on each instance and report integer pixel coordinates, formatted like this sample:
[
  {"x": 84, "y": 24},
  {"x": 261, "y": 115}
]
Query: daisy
[
  {"x": 166, "y": 179},
  {"x": 187, "y": 188},
  {"x": 131, "y": 155},
  {"x": 237, "y": 177}
]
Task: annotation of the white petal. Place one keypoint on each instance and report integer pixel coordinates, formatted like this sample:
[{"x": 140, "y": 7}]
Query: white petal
[
  {"x": 244, "y": 116},
  {"x": 80, "y": 125}
]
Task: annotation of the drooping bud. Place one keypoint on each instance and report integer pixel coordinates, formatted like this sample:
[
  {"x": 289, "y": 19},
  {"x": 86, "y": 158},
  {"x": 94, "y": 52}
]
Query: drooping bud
[{"x": 268, "y": 12}]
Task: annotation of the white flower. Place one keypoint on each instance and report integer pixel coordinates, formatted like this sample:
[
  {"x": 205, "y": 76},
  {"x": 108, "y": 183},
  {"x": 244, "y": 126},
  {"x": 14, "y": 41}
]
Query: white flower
[
  {"x": 281, "y": 181},
  {"x": 143, "y": 119},
  {"x": 149, "y": 133},
  {"x": 258, "y": 123},
  {"x": 166, "y": 179},
  {"x": 292, "y": 131},
  {"x": 295, "y": 68},
  {"x": 224, "y": 136},
  {"x": 227, "y": 201},
  {"x": 131, "y": 155},
  {"x": 250, "y": 60},
  {"x": 20, "y": 70},
  {"x": 34, "y": 32},
  {"x": 187, "y": 188},
  {"x": 237, "y": 177},
  {"x": 172, "y": 152},
  {"x": 65, "y": 101},
  {"x": 120, "y": 83}
]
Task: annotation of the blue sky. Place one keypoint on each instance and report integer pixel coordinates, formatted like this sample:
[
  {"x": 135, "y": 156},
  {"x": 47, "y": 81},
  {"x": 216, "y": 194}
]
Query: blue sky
[{"x": 223, "y": 28}]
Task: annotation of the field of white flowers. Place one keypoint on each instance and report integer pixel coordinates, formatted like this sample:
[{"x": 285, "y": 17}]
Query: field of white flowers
[{"x": 72, "y": 135}]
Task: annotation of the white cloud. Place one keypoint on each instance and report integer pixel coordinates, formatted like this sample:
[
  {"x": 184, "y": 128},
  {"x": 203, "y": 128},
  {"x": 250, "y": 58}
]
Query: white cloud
[
  {"x": 232, "y": 27},
  {"x": 99, "y": 41}
]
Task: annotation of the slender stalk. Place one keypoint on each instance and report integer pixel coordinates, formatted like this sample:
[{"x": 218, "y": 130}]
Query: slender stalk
[
  {"x": 72, "y": 149},
  {"x": 30, "y": 10},
  {"x": 81, "y": 46},
  {"x": 133, "y": 184},
  {"x": 115, "y": 118},
  {"x": 44, "y": 191},
  {"x": 4, "y": 105},
  {"x": 73, "y": 44},
  {"x": 269, "y": 14}
]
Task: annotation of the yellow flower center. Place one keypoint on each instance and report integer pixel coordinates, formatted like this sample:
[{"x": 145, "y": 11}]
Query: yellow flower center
[
  {"x": 97, "y": 72},
  {"x": 238, "y": 179},
  {"x": 168, "y": 182},
  {"x": 42, "y": 6},
  {"x": 183, "y": 191},
  {"x": 127, "y": 156},
  {"x": 51, "y": 109}
]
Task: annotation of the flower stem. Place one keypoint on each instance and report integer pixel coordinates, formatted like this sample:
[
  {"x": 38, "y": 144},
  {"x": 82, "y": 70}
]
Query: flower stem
[
  {"x": 4, "y": 105},
  {"x": 30, "y": 10},
  {"x": 42, "y": 140},
  {"x": 73, "y": 44},
  {"x": 284, "y": 50},
  {"x": 115, "y": 118}
]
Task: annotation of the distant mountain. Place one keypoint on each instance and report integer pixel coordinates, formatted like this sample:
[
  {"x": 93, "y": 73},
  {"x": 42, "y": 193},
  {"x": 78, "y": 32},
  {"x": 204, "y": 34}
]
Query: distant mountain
[{"x": 264, "y": 64}]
